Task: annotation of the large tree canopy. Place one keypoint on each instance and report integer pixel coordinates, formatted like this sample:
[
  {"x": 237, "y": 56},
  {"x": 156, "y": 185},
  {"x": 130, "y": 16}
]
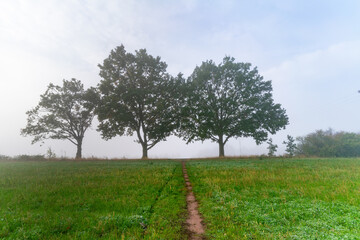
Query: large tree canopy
[
  {"x": 137, "y": 96},
  {"x": 64, "y": 112},
  {"x": 229, "y": 100}
]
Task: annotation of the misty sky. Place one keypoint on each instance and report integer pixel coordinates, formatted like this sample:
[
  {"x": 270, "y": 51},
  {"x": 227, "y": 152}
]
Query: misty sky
[{"x": 309, "y": 49}]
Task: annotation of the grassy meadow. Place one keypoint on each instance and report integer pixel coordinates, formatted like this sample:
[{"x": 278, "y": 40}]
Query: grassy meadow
[
  {"x": 90, "y": 200},
  {"x": 239, "y": 199},
  {"x": 278, "y": 198}
]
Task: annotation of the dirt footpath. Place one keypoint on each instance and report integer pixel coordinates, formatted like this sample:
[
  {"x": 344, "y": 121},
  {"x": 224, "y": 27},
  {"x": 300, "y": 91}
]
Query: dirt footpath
[{"x": 194, "y": 223}]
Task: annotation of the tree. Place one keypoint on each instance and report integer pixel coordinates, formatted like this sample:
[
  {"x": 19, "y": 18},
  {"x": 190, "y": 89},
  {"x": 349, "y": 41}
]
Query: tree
[
  {"x": 328, "y": 143},
  {"x": 272, "y": 148},
  {"x": 138, "y": 96},
  {"x": 64, "y": 112},
  {"x": 319, "y": 143},
  {"x": 347, "y": 144},
  {"x": 229, "y": 100},
  {"x": 290, "y": 145}
]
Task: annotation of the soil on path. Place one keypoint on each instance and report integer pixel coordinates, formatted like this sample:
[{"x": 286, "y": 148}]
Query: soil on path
[{"x": 194, "y": 223}]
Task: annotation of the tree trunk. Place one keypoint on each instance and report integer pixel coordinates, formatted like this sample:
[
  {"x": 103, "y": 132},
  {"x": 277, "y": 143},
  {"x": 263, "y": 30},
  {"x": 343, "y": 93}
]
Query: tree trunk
[
  {"x": 79, "y": 149},
  {"x": 145, "y": 151},
  {"x": 221, "y": 146}
]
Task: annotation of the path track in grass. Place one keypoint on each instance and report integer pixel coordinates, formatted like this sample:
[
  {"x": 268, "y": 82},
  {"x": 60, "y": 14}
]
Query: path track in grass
[{"x": 194, "y": 223}]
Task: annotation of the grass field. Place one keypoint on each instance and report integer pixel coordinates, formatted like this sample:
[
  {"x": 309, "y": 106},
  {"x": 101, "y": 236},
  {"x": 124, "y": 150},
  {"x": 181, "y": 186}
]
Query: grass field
[
  {"x": 239, "y": 199},
  {"x": 89, "y": 200},
  {"x": 279, "y": 199}
]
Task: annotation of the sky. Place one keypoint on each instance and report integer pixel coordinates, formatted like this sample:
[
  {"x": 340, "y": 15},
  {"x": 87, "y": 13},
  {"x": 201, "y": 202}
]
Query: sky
[{"x": 309, "y": 49}]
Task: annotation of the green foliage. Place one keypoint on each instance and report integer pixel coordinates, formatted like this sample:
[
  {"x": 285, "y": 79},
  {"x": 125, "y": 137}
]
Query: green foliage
[
  {"x": 330, "y": 144},
  {"x": 290, "y": 146},
  {"x": 91, "y": 200},
  {"x": 64, "y": 112},
  {"x": 229, "y": 100},
  {"x": 50, "y": 153},
  {"x": 138, "y": 95},
  {"x": 272, "y": 148},
  {"x": 4, "y": 157},
  {"x": 278, "y": 199},
  {"x": 25, "y": 157}
]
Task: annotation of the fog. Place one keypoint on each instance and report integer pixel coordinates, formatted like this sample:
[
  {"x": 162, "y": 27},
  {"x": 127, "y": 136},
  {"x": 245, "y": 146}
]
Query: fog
[{"x": 310, "y": 51}]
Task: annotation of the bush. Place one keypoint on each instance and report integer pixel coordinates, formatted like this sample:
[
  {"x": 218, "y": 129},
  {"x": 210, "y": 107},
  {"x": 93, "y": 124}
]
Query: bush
[
  {"x": 30, "y": 157},
  {"x": 329, "y": 144}
]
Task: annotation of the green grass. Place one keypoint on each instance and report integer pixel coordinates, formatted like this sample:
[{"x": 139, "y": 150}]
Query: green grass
[
  {"x": 278, "y": 199},
  {"x": 239, "y": 199},
  {"x": 95, "y": 199}
]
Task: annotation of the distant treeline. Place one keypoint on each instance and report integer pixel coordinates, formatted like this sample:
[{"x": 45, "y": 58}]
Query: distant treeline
[
  {"x": 329, "y": 144},
  {"x": 24, "y": 157}
]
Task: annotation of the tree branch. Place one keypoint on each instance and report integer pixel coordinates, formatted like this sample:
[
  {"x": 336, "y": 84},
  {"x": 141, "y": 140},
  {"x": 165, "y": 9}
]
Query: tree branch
[
  {"x": 72, "y": 141},
  {"x": 153, "y": 143}
]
